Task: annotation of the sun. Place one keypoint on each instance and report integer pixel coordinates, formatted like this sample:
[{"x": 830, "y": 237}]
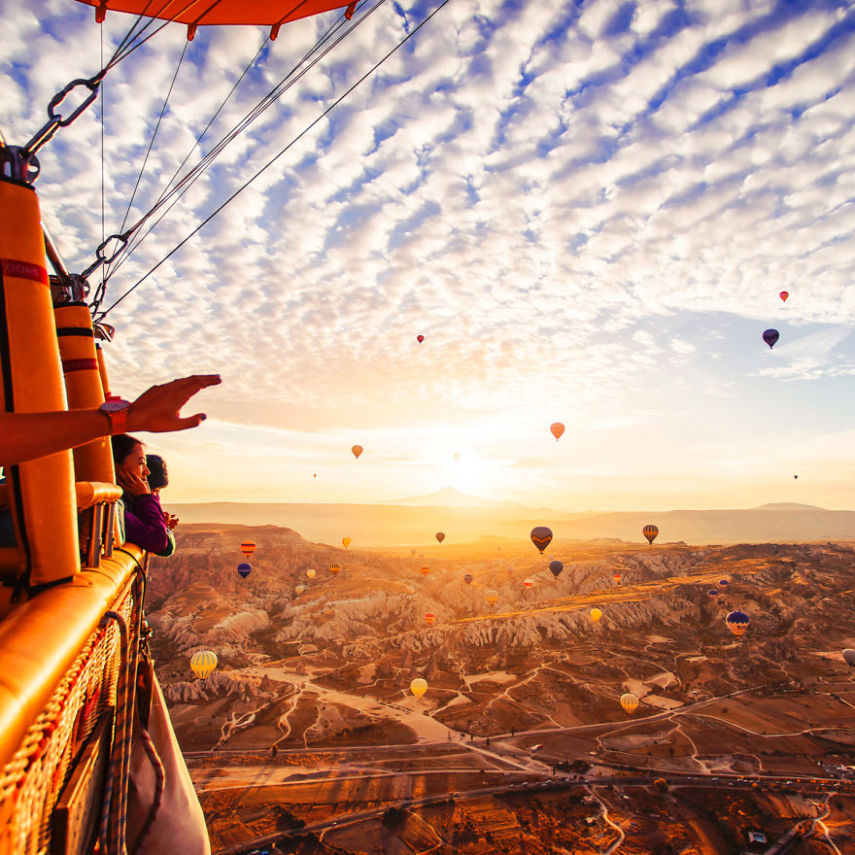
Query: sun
[{"x": 466, "y": 472}]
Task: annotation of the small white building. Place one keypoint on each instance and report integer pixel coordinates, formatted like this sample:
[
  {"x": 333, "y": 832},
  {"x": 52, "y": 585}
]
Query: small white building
[{"x": 756, "y": 837}]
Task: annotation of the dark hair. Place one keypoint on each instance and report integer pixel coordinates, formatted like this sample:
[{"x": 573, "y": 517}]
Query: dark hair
[
  {"x": 158, "y": 476},
  {"x": 123, "y": 444}
]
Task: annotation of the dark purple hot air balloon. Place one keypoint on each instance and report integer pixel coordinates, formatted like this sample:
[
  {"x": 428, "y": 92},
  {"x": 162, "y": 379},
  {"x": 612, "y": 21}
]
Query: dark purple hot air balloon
[
  {"x": 244, "y": 569},
  {"x": 713, "y": 592},
  {"x": 468, "y": 578},
  {"x": 555, "y": 567},
  {"x": 770, "y": 337}
]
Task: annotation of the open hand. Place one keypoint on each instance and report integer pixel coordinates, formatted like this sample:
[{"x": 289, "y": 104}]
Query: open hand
[
  {"x": 158, "y": 409},
  {"x": 131, "y": 482}
]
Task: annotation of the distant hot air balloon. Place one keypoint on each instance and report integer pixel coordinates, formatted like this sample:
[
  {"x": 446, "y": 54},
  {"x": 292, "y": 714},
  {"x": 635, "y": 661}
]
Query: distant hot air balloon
[
  {"x": 491, "y": 597},
  {"x": 771, "y": 337},
  {"x": 713, "y": 592},
  {"x": 346, "y": 541},
  {"x": 629, "y": 702},
  {"x": 849, "y": 657},
  {"x": 335, "y": 568},
  {"x": 440, "y": 536},
  {"x": 783, "y": 295},
  {"x": 357, "y": 450},
  {"x": 723, "y": 583},
  {"x": 429, "y": 618},
  {"x": 796, "y": 477},
  {"x": 420, "y": 338},
  {"x": 528, "y": 583},
  {"x": 650, "y": 532},
  {"x": 424, "y": 570},
  {"x": 737, "y": 623},
  {"x": 300, "y": 589},
  {"x": 418, "y": 687},
  {"x": 555, "y": 568},
  {"x": 468, "y": 578},
  {"x": 541, "y": 537},
  {"x": 203, "y": 663},
  {"x": 244, "y": 569},
  {"x": 315, "y": 475},
  {"x": 310, "y": 574},
  {"x": 557, "y": 429},
  {"x": 247, "y": 547},
  {"x": 617, "y": 577},
  {"x": 596, "y": 614}
]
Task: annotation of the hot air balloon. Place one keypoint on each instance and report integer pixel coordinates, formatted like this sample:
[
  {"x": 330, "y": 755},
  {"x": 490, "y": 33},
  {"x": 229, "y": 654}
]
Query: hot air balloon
[
  {"x": 418, "y": 687},
  {"x": 440, "y": 536},
  {"x": 244, "y": 569},
  {"x": 491, "y": 597},
  {"x": 617, "y": 577},
  {"x": 783, "y": 295},
  {"x": 315, "y": 475},
  {"x": 300, "y": 589},
  {"x": 357, "y": 450},
  {"x": 468, "y": 578},
  {"x": 557, "y": 429},
  {"x": 424, "y": 570},
  {"x": 737, "y": 623},
  {"x": 429, "y": 618},
  {"x": 596, "y": 614},
  {"x": 541, "y": 537},
  {"x": 723, "y": 583},
  {"x": 771, "y": 337},
  {"x": 203, "y": 663},
  {"x": 849, "y": 657},
  {"x": 335, "y": 568},
  {"x": 796, "y": 477},
  {"x": 555, "y": 568},
  {"x": 346, "y": 541},
  {"x": 629, "y": 702},
  {"x": 713, "y": 592},
  {"x": 528, "y": 583},
  {"x": 650, "y": 532},
  {"x": 247, "y": 547},
  {"x": 420, "y": 338}
]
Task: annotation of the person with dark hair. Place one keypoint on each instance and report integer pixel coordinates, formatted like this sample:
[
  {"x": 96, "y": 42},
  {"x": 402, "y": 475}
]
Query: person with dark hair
[
  {"x": 158, "y": 478},
  {"x": 144, "y": 523}
]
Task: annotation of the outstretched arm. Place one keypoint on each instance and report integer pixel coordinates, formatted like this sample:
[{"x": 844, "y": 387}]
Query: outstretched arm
[{"x": 25, "y": 436}]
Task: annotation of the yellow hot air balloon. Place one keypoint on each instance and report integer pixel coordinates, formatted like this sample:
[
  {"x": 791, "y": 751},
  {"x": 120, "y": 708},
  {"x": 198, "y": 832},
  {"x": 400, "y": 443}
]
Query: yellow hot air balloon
[
  {"x": 418, "y": 687},
  {"x": 300, "y": 589},
  {"x": 310, "y": 574},
  {"x": 491, "y": 597},
  {"x": 334, "y": 568},
  {"x": 629, "y": 702},
  {"x": 203, "y": 663},
  {"x": 357, "y": 450},
  {"x": 596, "y": 614},
  {"x": 247, "y": 547},
  {"x": 346, "y": 541}
]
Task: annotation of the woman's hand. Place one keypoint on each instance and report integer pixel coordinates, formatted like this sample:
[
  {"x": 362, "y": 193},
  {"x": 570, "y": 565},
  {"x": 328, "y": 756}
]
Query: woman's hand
[
  {"x": 131, "y": 482},
  {"x": 157, "y": 409},
  {"x": 171, "y": 520}
]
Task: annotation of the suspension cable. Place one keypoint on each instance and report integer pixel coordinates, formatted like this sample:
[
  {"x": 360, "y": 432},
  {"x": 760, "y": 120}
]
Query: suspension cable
[
  {"x": 172, "y": 194},
  {"x": 275, "y": 158}
]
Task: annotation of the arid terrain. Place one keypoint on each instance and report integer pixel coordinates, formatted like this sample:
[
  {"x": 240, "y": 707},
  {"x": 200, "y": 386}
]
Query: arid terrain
[{"x": 307, "y": 733}]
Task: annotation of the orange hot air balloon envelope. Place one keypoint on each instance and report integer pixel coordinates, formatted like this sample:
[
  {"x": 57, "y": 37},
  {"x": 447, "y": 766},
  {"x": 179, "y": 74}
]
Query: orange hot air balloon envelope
[
  {"x": 557, "y": 430},
  {"x": 273, "y": 13},
  {"x": 424, "y": 571},
  {"x": 541, "y": 537},
  {"x": 334, "y": 568},
  {"x": 440, "y": 536},
  {"x": 429, "y": 618},
  {"x": 528, "y": 582},
  {"x": 783, "y": 295},
  {"x": 650, "y": 532},
  {"x": 357, "y": 450},
  {"x": 247, "y": 547}
]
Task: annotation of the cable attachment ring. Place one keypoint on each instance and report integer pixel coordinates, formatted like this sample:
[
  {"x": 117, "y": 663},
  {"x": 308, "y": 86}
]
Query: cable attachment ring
[{"x": 101, "y": 257}]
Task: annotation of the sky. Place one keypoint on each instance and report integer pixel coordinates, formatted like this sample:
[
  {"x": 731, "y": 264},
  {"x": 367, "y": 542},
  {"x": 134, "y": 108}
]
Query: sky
[{"x": 588, "y": 210}]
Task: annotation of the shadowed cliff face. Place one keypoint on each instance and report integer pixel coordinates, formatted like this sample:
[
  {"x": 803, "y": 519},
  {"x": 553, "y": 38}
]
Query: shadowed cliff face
[{"x": 534, "y": 658}]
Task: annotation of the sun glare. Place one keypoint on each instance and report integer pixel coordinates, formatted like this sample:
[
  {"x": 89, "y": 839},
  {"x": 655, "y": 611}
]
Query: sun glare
[{"x": 469, "y": 474}]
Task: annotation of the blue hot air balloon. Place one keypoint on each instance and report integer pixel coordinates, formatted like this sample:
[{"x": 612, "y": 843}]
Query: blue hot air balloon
[
  {"x": 244, "y": 569},
  {"x": 723, "y": 583},
  {"x": 737, "y": 623},
  {"x": 555, "y": 568},
  {"x": 770, "y": 337},
  {"x": 713, "y": 592}
]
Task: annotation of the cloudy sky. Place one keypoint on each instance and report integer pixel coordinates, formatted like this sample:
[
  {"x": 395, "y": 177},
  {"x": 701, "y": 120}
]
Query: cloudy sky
[{"x": 588, "y": 209}]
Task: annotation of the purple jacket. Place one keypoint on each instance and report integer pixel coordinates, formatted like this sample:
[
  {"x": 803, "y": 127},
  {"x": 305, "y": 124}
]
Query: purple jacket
[{"x": 144, "y": 523}]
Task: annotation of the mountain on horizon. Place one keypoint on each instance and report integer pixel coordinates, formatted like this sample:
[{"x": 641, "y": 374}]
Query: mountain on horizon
[
  {"x": 788, "y": 506},
  {"x": 450, "y": 497}
]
